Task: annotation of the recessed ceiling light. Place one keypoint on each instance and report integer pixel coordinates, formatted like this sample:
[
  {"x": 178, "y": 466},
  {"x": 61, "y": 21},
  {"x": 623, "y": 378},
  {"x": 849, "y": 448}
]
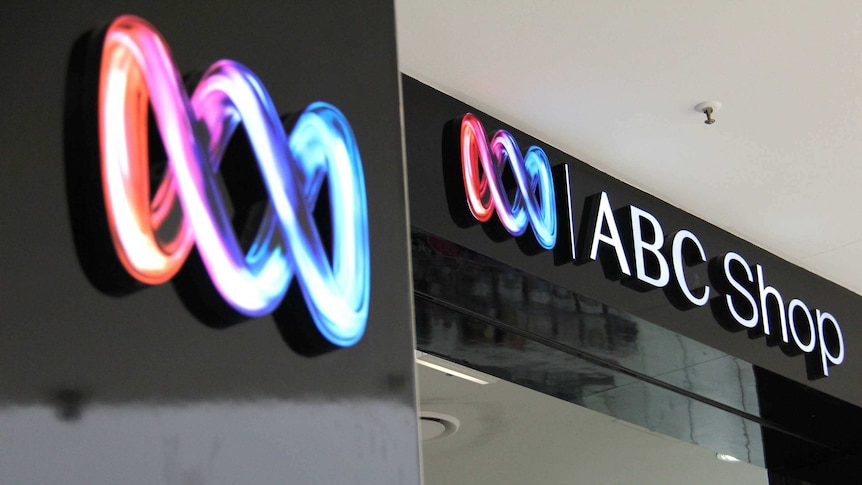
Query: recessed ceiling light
[
  {"x": 727, "y": 458},
  {"x": 436, "y": 426},
  {"x": 453, "y": 369}
]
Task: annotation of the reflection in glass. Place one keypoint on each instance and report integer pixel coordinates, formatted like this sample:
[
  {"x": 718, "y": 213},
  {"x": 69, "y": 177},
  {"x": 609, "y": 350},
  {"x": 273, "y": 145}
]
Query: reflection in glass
[{"x": 483, "y": 314}]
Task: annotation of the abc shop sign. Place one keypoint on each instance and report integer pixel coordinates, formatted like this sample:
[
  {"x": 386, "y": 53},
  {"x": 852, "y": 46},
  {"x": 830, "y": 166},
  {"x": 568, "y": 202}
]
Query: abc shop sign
[{"x": 631, "y": 244}]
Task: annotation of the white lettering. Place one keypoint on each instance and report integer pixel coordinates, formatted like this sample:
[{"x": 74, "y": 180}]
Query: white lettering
[
  {"x": 680, "y": 262},
  {"x": 791, "y": 313},
  {"x": 605, "y": 215},
  {"x": 654, "y": 247},
  {"x": 745, "y": 322},
  {"x": 765, "y": 292},
  {"x": 826, "y": 357}
]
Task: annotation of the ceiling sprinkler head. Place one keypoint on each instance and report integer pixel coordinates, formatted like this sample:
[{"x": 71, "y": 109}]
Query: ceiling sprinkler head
[{"x": 708, "y": 108}]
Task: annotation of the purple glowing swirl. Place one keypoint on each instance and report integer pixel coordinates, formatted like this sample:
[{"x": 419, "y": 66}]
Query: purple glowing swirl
[{"x": 137, "y": 67}]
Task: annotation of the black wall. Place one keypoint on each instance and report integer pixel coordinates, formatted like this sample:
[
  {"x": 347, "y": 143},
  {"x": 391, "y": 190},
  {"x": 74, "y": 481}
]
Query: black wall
[{"x": 96, "y": 389}]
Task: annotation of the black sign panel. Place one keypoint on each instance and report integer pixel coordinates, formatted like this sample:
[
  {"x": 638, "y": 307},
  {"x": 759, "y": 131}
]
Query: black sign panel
[{"x": 480, "y": 183}]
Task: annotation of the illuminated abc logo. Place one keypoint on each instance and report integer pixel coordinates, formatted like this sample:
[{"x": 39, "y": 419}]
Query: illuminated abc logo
[{"x": 156, "y": 194}]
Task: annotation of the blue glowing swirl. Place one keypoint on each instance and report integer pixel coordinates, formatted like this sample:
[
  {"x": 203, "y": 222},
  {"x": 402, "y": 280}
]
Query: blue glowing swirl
[{"x": 318, "y": 148}]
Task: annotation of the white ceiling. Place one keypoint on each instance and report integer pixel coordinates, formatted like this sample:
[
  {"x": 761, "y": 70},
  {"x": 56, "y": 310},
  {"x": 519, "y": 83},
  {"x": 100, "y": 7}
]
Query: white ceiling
[
  {"x": 615, "y": 83},
  {"x": 510, "y": 435}
]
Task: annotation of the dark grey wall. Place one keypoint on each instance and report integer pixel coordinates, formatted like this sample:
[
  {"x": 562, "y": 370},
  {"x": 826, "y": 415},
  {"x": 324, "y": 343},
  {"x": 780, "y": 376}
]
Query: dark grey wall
[{"x": 163, "y": 398}]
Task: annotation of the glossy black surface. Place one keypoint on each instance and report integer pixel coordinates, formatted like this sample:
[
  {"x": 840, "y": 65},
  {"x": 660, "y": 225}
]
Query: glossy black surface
[
  {"x": 832, "y": 451},
  {"x": 101, "y": 390},
  {"x": 486, "y": 315},
  {"x": 452, "y": 275},
  {"x": 483, "y": 314}
]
